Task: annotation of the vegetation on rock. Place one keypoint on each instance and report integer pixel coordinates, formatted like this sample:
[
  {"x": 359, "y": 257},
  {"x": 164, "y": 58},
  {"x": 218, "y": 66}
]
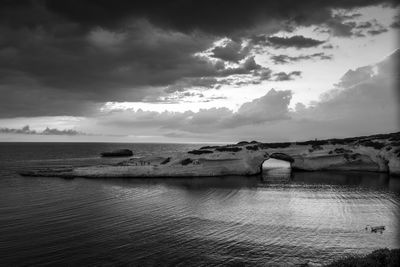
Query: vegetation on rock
[
  {"x": 274, "y": 145},
  {"x": 342, "y": 150},
  {"x": 165, "y": 161},
  {"x": 376, "y": 145},
  {"x": 228, "y": 149},
  {"x": 201, "y": 151},
  {"x": 186, "y": 161}
]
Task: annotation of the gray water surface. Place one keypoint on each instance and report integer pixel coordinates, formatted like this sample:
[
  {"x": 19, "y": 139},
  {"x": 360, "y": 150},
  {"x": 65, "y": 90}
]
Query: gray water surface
[{"x": 311, "y": 216}]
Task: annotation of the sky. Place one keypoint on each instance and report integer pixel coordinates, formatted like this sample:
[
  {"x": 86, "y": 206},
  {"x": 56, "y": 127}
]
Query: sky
[{"x": 197, "y": 71}]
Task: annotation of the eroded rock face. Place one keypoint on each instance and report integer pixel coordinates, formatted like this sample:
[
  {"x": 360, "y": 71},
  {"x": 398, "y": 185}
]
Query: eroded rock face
[{"x": 380, "y": 153}]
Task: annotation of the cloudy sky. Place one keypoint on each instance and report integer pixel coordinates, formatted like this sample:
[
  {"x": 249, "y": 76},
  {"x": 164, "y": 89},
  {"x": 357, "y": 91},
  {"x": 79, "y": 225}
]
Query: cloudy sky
[{"x": 197, "y": 71}]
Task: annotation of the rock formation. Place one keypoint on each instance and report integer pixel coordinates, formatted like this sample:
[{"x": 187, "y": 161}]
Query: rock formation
[{"x": 379, "y": 153}]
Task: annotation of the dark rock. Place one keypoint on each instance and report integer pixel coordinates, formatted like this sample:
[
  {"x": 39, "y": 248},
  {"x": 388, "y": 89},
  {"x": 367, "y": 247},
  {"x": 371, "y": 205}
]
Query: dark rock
[{"x": 118, "y": 153}]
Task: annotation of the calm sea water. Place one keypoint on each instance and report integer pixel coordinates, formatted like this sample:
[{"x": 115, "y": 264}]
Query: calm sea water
[{"x": 313, "y": 217}]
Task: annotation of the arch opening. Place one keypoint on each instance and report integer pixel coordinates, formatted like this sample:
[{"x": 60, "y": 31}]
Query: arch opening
[{"x": 276, "y": 170}]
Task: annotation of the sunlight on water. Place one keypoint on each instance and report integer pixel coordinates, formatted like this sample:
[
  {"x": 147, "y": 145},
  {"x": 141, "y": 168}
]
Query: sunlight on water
[{"x": 275, "y": 170}]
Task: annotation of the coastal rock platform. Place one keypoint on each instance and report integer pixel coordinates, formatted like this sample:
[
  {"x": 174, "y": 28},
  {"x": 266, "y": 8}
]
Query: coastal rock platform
[{"x": 377, "y": 153}]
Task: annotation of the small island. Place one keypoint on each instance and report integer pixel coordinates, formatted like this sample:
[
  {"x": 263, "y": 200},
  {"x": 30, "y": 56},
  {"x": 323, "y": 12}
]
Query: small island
[{"x": 375, "y": 153}]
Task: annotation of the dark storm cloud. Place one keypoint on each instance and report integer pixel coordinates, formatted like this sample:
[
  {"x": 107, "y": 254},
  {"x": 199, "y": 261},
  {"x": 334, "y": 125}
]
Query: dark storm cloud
[
  {"x": 185, "y": 84},
  {"x": 232, "y": 51},
  {"x": 371, "y": 27},
  {"x": 222, "y": 17},
  {"x": 69, "y": 57},
  {"x": 284, "y": 59},
  {"x": 396, "y": 22},
  {"x": 364, "y": 25},
  {"x": 339, "y": 28},
  {"x": 327, "y": 46},
  {"x": 92, "y": 68},
  {"x": 377, "y": 31},
  {"x": 283, "y": 76},
  {"x": 297, "y": 41}
]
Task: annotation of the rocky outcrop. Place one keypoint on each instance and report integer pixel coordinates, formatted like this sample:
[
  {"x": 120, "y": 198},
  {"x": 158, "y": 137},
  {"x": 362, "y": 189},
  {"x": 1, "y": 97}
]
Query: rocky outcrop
[
  {"x": 117, "y": 153},
  {"x": 226, "y": 162},
  {"x": 379, "y": 153}
]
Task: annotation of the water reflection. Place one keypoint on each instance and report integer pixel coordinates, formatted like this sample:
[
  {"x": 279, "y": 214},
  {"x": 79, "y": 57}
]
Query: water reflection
[{"x": 276, "y": 171}]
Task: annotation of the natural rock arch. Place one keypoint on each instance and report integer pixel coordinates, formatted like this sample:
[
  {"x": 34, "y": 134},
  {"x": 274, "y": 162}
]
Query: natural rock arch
[{"x": 277, "y": 156}]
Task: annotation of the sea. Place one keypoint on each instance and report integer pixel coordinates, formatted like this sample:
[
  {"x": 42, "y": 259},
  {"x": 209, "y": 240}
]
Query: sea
[{"x": 305, "y": 217}]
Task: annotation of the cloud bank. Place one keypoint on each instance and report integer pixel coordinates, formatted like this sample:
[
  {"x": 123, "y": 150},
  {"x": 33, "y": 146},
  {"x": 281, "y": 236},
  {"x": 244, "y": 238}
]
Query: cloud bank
[
  {"x": 48, "y": 131},
  {"x": 365, "y": 100},
  {"x": 70, "y": 57}
]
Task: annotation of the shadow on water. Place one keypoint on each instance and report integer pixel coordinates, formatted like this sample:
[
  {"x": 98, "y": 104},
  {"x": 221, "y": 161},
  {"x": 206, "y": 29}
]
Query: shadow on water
[{"x": 276, "y": 177}]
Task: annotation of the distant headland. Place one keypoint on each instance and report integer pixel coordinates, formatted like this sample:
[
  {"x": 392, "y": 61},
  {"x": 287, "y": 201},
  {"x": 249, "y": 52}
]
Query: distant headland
[{"x": 375, "y": 153}]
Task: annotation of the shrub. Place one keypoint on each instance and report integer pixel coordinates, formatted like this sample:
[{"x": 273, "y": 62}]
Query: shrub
[
  {"x": 241, "y": 143},
  {"x": 274, "y": 145},
  {"x": 342, "y": 150},
  {"x": 313, "y": 142},
  {"x": 337, "y": 141},
  {"x": 199, "y": 152},
  {"x": 351, "y": 156},
  {"x": 208, "y": 147},
  {"x": 186, "y": 161},
  {"x": 255, "y": 147},
  {"x": 375, "y": 145},
  {"x": 165, "y": 161},
  {"x": 228, "y": 149},
  {"x": 317, "y": 147},
  {"x": 395, "y": 143}
]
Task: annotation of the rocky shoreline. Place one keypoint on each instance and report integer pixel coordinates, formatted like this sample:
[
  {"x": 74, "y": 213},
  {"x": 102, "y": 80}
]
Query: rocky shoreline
[{"x": 376, "y": 153}]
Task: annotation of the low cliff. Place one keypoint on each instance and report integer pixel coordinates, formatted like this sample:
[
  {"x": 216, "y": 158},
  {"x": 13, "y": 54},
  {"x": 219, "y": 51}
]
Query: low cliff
[{"x": 380, "y": 153}]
